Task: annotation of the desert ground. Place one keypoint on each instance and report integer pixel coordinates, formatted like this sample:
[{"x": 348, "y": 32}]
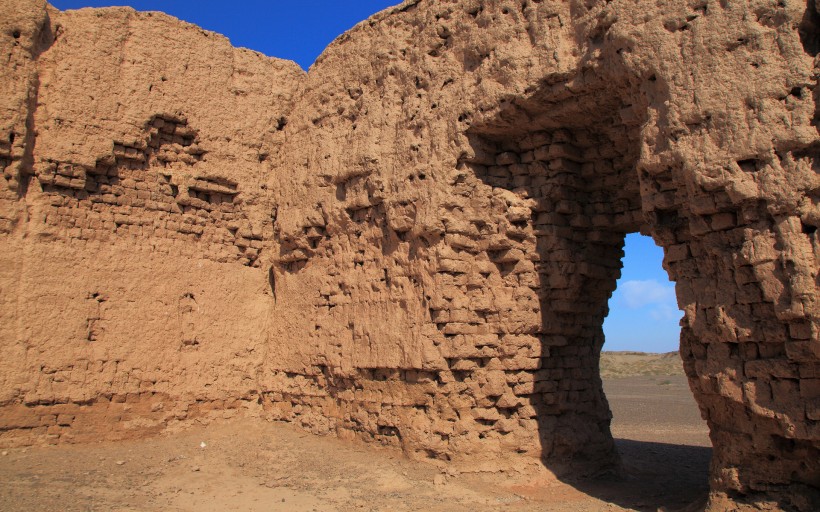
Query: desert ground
[{"x": 252, "y": 465}]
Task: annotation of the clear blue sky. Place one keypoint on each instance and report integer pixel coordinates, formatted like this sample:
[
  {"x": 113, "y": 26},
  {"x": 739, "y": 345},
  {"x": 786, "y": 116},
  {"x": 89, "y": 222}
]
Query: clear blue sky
[
  {"x": 643, "y": 312},
  {"x": 297, "y": 30}
]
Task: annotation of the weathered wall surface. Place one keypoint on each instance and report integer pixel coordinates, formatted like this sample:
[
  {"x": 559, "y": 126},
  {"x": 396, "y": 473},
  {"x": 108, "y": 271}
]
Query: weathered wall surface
[
  {"x": 133, "y": 222},
  {"x": 416, "y": 241}
]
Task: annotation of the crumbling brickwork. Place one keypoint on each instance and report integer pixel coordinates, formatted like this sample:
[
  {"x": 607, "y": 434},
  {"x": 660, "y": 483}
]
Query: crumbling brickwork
[
  {"x": 415, "y": 242},
  {"x": 135, "y": 193}
]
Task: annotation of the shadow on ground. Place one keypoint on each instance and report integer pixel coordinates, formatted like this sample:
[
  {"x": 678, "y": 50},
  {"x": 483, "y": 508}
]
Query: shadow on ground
[{"x": 655, "y": 476}]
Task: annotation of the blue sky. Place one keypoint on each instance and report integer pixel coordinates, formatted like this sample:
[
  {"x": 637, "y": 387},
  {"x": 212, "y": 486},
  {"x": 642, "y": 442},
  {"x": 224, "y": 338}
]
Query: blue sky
[
  {"x": 297, "y": 30},
  {"x": 643, "y": 312}
]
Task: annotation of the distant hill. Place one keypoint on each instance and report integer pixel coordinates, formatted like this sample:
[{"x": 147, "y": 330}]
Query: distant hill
[{"x": 629, "y": 364}]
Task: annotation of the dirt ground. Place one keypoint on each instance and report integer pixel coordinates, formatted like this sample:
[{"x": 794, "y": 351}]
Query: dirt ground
[{"x": 251, "y": 465}]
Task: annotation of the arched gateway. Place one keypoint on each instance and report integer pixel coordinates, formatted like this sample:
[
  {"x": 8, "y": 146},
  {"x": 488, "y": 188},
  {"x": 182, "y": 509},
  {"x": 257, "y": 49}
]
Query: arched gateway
[{"x": 414, "y": 242}]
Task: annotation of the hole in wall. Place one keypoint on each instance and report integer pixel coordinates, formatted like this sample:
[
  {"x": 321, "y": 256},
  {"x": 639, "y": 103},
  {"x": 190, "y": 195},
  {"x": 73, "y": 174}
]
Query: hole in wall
[
  {"x": 655, "y": 419},
  {"x": 809, "y": 30},
  {"x": 748, "y": 165}
]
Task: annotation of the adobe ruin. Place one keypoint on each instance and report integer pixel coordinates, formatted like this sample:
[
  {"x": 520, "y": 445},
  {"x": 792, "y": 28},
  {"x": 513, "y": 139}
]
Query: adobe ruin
[{"x": 415, "y": 241}]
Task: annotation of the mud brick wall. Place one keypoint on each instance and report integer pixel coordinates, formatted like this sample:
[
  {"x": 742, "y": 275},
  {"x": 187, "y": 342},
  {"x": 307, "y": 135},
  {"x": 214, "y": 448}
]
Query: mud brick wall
[
  {"x": 138, "y": 192},
  {"x": 133, "y": 231},
  {"x": 415, "y": 242}
]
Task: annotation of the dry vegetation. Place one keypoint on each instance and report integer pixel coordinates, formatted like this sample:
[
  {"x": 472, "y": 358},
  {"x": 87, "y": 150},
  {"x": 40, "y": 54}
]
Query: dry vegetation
[{"x": 631, "y": 364}]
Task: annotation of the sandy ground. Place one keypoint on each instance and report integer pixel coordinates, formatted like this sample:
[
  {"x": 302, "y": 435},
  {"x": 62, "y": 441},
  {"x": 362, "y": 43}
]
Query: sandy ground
[{"x": 251, "y": 465}]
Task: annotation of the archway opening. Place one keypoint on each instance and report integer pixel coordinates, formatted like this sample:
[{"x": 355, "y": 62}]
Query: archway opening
[
  {"x": 659, "y": 434},
  {"x": 571, "y": 192}
]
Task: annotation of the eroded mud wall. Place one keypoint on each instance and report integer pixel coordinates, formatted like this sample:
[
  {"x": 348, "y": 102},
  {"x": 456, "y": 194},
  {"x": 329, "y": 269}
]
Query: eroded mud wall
[
  {"x": 132, "y": 224},
  {"x": 416, "y": 241}
]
